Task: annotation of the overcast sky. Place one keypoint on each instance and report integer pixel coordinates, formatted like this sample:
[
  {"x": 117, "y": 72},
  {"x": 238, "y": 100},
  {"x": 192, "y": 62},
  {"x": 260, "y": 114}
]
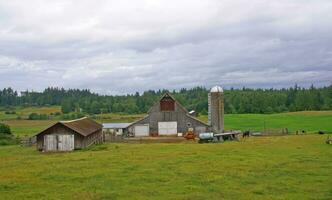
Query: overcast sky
[{"x": 122, "y": 46}]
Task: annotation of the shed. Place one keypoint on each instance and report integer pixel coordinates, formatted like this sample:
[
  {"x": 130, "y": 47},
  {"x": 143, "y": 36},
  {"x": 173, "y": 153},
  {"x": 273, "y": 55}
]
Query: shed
[
  {"x": 70, "y": 135},
  {"x": 115, "y": 128}
]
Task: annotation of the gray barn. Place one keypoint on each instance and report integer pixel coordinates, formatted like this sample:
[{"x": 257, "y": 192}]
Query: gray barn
[
  {"x": 167, "y": 117},
  {"x": 70, "y": 135}
]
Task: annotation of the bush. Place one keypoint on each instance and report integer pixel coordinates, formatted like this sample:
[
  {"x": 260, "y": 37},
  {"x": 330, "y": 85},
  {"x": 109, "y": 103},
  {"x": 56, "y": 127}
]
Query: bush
[
  {"x": 43, "y": 116},
  {"x": 268, "y": 110},
  {"x": 35, "y": 116},
  {"x": 5, "y": 129},
  {"x": 72, "y": 116},
  {"x": 10, "y": 112},
  {"x": 204, "y": 112},
  {"x": 57, "y": 114}
]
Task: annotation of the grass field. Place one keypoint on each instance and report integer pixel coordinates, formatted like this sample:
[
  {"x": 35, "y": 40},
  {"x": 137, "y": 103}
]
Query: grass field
[
  {"x": 310, "y": 121},
  {"x": 283, "y": 167},
  {"x": 24, "y": 112},
  {"x": 22, "y": 128}
]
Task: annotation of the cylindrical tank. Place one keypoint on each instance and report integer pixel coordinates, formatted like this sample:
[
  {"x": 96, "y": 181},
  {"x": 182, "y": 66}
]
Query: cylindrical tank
[
  {"x": 216, "y": 109},
  {"x": 206, "y": 136}
]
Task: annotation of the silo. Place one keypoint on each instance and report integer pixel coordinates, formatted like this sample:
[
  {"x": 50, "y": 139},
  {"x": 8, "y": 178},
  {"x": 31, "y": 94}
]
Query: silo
[{"x": 216, "y": 109}]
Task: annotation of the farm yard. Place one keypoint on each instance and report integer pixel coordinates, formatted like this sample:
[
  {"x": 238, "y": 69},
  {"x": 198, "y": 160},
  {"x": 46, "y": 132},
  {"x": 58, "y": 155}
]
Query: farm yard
[
  {"x": 284, "y": 167},
  {"x": 273, "y": 167},
  {"x": 189, "y": 100},
  {"x": 310, "y": 121}
]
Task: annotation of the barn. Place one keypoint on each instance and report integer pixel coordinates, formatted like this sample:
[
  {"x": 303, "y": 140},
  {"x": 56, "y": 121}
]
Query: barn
[
  {"x": 165, "y": 118},
  {"x": 70, "y": 135}
]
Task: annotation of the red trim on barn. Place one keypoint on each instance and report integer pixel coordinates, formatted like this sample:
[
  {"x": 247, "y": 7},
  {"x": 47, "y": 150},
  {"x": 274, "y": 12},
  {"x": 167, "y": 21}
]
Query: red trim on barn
[{"x": 167, "y": 104}]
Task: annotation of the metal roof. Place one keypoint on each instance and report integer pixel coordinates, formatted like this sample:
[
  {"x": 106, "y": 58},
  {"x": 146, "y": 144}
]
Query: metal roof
[{"x": 116, "y": 125}]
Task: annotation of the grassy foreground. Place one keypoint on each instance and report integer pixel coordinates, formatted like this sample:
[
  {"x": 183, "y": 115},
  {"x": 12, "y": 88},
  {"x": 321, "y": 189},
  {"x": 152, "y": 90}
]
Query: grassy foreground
[{"x": 284, "y": 167}]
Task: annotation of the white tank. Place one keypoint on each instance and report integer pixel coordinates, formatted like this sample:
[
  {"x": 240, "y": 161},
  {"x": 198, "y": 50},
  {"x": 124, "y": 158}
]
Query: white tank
[{"x": 216, "y": 109}]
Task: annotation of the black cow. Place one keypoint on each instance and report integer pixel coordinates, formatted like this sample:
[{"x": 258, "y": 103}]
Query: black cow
[{"x": 245, "y": 134}]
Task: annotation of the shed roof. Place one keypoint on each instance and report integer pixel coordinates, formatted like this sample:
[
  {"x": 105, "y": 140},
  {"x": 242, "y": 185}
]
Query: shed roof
[
  {"x": 83, "y": 126},
  {"x": 116, "y": 125}
]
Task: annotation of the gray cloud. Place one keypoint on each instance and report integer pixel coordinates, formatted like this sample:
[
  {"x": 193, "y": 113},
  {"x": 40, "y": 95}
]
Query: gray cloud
[{"x": 125, "y": 46}]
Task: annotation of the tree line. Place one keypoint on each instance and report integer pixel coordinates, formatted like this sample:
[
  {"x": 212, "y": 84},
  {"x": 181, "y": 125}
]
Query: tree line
[{"x": 244, "y": 100}]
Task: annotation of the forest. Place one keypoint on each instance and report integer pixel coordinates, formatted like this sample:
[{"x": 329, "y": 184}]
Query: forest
[{"x": 244, "y": 100}]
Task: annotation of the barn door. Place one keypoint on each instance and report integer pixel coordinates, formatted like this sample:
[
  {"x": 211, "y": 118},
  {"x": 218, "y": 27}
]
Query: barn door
[
  {"x": 65, "y": 142},
  {"x": 50, "y": 142},
  {"x": 167, "y": 128},
  {"x": 141, "y": 130},
  {"x": 59, "y": 142}
]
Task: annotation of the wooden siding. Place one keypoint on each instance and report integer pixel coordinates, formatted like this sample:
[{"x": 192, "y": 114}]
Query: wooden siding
[
  {"x": 60, "y": 142},
  {"x": 79, "y": 140},
  {"x": 180, "y": 115},
  {"x": 167, "y": 104}
]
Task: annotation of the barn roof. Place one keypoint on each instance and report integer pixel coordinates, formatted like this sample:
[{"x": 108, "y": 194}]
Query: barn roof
[
  {"x": 194, "y": 118},
  {"x": 83, "y": 126},
  {"x": 137, "y": 121}
]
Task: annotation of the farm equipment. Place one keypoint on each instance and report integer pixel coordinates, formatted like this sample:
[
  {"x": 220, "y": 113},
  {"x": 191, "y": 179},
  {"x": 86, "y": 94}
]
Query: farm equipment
[
  {"x": 218, "y": 137},
  {"x": 207, "y": 137},
  {"x": 190, "y": 135}
]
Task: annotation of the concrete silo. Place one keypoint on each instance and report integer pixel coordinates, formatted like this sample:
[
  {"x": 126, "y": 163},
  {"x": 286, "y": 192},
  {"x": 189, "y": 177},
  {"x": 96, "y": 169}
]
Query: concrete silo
[{"x": 216, "y": 109}]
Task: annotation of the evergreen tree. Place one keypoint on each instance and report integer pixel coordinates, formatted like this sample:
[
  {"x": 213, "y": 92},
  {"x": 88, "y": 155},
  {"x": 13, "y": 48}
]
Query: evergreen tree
[{"x": 66, "y": 106}]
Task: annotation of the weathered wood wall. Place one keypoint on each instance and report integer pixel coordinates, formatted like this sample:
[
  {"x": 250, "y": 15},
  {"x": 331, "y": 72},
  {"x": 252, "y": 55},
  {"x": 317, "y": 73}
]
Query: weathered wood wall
[
  {"x": 184, "y": 121},
  {"x": 94, "y": 138},
  {"x": 79, "y": 140}
]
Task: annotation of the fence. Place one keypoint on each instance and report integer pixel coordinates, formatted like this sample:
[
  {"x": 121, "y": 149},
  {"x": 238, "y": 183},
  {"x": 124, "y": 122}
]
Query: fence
[
  {"x": 283, "y": 131},
  {"x": 28, "y": 141}
]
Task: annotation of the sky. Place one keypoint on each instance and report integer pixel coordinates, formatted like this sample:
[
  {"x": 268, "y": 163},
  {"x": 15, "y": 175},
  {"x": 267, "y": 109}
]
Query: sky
[{"x": 118, "y": 47}]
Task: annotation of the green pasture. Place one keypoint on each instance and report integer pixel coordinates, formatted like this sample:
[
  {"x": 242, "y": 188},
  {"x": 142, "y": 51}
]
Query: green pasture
[
  {"x": 310, "y": 121},
  {"x": 23, "y": 112},
  {"x": 282, "y": 167},
  {"x": 23, "y": 128}
]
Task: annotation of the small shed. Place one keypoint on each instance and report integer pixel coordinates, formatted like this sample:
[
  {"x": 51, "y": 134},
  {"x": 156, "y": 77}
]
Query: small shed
[
  {"x": 70, "y": 135},
  {"x": 115, "y": 131},
  {"x": 115, "y": 128}
]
